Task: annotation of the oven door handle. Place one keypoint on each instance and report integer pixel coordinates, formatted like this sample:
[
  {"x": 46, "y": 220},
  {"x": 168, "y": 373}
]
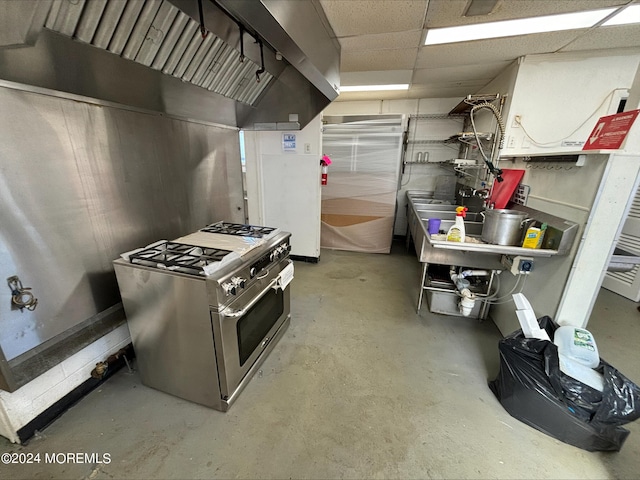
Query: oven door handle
[{"x": 227, "y": 312}]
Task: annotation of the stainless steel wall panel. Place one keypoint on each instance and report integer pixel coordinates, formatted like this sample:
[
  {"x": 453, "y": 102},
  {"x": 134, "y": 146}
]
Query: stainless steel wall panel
[
  {"x": 141, "y": 28},
  {"x": 170, "y": 41},
  {"x": 203, "y": 48},
  {"x": 181, "y": 46},
  {"x": 157, "y": 33},
  {"x": 68, "y": 17},
  {"x": 97, "y": 182},
  {"x": 89, "y": 20},
  {"x": 126, "y": 24},
  {"x": 108, "y": 23}
]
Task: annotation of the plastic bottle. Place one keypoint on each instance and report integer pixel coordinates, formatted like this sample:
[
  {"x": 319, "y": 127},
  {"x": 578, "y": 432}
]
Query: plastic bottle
[
  {"x": 456, "y": 232},
  {"x": 577, "y": 343}
]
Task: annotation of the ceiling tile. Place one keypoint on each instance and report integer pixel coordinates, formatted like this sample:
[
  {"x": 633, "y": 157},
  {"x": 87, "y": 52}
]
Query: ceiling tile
[
  {"x": 450, "y": 89},
  {"x": 378, "y": 60},
  {"x": 381, "y": 41},
  {"x": 445, "y": 13},
  {"x": 607, "y": 37},
  {"x": 493, "y": 50},
  {"x": 479, "y": 72},
  {"x": 376, "y": 77},
  {"x": 380, "y": 36},
  {"x": 358, "y": 17}
]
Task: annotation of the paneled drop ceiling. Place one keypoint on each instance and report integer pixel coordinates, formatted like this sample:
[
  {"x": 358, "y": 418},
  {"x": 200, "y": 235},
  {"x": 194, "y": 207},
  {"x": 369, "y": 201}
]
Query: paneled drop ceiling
[{"x": 382, "y": 42}]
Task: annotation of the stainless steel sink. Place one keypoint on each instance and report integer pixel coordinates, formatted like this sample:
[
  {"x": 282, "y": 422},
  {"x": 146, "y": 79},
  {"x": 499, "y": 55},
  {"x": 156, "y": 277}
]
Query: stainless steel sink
[
  {"x": 434, "y": 206},
  {"x": 443, "y": 214},
  {"x": 473, "y": 229}
]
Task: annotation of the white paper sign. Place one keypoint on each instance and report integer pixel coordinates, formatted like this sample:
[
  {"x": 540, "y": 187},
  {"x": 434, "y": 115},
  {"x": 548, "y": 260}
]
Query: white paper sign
[{"x": 289, "y": 142}]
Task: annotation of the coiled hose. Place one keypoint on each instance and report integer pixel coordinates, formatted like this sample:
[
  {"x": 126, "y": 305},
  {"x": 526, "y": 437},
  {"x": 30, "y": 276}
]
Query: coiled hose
[{"x": 496, "y": 113}]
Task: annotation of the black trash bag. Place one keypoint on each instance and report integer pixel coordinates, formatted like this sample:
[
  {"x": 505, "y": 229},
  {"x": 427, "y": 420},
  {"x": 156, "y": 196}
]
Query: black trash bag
[{"x": 531, "y": 387}]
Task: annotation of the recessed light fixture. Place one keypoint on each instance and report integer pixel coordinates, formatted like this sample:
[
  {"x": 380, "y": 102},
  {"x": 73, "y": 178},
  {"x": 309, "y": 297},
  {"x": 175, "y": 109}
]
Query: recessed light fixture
[
  {"x": 373, "y": 88},
  {"x": 480, "y": 7},
  {"x": 520, "y": 26},
  {"x": 631, "y": 14}
]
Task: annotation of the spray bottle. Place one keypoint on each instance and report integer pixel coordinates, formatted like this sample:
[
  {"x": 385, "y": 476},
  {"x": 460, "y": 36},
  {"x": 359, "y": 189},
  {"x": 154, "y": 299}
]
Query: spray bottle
[{"x": 457, "y": 232}]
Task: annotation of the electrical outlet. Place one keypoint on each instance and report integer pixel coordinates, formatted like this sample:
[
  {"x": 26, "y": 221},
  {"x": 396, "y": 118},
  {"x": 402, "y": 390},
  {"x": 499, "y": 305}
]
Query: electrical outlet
[
  {"x": 307, "y": 148},
  {"x": 517, "y": 120},
  {"x": 511, "y": 143}
]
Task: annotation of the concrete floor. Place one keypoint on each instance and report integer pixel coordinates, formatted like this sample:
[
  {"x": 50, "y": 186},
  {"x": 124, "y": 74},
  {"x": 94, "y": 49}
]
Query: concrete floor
[{"x": 359, "y": 387}]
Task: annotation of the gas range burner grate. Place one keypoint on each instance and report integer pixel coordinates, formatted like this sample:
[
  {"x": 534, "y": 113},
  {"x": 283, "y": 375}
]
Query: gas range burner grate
[
  {"x": 238, "y": 229},
  {"x": 179, "y": 257}
]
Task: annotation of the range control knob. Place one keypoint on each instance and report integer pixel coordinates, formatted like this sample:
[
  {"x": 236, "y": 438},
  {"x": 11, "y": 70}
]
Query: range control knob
[
  {"x": 272, "y": 256},
  {"x": 229, "y": 288},
  {"x": 253, "y": 272},
  {"x": 239, "y": 281}
]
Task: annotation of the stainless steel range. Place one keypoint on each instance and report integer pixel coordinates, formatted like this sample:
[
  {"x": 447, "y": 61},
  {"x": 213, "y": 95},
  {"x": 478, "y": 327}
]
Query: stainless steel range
[{"x": 204, "y": 310}]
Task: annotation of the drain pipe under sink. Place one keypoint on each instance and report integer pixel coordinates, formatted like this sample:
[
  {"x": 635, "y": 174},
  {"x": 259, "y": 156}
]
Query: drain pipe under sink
[{"x": 468, "y": 300}]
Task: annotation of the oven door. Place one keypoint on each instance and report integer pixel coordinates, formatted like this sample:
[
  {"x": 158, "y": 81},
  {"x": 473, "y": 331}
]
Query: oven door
[{"x": 244, "y": 330}]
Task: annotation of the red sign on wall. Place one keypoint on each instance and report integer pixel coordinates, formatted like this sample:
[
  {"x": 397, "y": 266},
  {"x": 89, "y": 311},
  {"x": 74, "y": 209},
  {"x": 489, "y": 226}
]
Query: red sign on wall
[{"x": 610, "y": 131}]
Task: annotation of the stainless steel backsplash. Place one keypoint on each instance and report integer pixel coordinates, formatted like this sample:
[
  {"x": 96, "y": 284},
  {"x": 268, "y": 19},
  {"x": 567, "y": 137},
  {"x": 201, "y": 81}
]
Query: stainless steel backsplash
[{"x": 81, "y": 183}]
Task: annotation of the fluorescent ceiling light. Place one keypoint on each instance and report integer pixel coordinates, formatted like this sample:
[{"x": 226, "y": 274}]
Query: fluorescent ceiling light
[
  {"x": 373, "y": 88},
  {"x": 521, "y": 26},
  {"x": 631, "y": 14}
]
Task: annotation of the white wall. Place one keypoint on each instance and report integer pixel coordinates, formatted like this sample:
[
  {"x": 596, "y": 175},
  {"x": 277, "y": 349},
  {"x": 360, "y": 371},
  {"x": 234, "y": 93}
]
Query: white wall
[
  {"x": 555, "y": 94},
  {"x": 380, "y": 107},
  {"x": 20, "y": 407},
  {"x": 560, "y": 97}
]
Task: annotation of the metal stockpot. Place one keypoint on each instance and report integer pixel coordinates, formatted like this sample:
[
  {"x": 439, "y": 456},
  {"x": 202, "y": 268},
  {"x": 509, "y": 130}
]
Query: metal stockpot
[{"x": 504, "y": 227}]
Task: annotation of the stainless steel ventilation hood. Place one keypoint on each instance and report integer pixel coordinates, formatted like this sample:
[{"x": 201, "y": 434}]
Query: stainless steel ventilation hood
[{"x": 149, "y": 54}]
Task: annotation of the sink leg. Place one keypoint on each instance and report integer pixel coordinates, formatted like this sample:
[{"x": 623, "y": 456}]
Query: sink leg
[
  {"x": 424, "y": 276},
  {"x": 484, "y": 309}
]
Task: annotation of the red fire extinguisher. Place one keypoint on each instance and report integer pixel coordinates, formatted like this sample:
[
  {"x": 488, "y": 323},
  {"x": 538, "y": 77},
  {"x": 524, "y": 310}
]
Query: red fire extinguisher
[{"x": 324, "y": 163}]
